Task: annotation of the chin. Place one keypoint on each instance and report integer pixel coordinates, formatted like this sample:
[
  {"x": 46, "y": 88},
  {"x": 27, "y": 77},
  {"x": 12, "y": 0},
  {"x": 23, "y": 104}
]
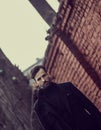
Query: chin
[{"x": 45, "y": 85}]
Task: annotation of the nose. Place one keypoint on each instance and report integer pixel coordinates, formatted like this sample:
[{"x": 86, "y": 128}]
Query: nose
[{"x": 42, "y": 79}]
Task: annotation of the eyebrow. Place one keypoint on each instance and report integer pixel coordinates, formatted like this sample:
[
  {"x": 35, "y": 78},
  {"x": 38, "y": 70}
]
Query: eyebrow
[{"x": 41, "y": 76}]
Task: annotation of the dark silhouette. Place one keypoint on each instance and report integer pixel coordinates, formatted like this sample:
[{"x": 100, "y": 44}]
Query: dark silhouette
[{"x": 62, "y": 106}]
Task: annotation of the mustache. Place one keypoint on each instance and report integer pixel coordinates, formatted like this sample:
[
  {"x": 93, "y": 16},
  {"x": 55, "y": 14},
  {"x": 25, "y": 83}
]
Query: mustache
[{"x": 46, "y": 82}]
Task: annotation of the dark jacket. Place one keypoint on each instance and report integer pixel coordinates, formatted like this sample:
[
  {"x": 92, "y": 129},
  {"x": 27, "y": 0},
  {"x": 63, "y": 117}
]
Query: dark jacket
[{"x": 64, "y": 107}]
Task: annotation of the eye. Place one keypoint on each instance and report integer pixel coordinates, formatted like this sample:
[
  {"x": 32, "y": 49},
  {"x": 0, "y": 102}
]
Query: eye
[
  {"x": 44, "y": 75},
  {"x": 38, "y": 79}
]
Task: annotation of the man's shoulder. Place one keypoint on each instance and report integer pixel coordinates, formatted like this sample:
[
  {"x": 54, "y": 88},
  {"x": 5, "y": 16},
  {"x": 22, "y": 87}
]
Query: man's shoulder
[{"x": 65, "y": 84}]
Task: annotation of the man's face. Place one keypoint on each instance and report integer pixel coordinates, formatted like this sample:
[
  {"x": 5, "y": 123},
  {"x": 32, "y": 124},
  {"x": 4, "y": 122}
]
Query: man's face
[{"x": 42, "y": 78}]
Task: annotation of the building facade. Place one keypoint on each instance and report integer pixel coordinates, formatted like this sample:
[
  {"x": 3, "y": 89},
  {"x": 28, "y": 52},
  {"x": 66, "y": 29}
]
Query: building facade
[
  {"x": 15, "y": 97},
  {"x": 74, "y": 50}
]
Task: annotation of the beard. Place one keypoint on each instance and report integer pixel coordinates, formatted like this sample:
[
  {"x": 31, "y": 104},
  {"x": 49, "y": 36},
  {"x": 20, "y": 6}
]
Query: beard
[{"x": 46, "y": 84}]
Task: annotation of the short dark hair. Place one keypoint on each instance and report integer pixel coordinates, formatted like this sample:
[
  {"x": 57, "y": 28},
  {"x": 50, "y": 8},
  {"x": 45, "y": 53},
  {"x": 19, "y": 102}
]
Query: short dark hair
[{"x": 36, "y": 69}]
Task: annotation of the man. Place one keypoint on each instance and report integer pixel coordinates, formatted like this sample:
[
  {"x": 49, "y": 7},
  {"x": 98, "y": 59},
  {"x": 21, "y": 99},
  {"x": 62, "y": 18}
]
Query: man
[{"x": 62, "y": 106}]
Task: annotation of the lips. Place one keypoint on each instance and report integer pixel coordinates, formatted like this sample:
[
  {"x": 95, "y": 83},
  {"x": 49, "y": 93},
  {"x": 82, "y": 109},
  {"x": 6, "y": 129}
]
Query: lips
[{"x": 46, "y": 83}]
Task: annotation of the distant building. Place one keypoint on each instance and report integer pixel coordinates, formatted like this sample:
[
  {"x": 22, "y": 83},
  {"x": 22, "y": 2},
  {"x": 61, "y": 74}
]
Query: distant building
[{"x": 44, "y": 9}]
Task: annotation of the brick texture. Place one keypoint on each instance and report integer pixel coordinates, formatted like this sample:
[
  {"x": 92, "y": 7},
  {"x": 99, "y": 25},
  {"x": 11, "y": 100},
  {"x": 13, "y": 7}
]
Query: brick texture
[{"x": 74, "y": 50}]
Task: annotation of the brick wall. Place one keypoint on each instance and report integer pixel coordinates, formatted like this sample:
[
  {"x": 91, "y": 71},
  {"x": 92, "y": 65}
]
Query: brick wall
[{"x": 74, "y": 51}]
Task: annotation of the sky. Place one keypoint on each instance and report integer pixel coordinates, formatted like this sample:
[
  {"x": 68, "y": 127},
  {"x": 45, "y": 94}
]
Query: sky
[{"x": 23, "y": 32}]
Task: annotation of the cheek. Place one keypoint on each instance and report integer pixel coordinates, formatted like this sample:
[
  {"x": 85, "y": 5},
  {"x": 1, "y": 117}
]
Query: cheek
[
  {"x": 47, "y": 78},
  {"x": 40, "y": 83}
]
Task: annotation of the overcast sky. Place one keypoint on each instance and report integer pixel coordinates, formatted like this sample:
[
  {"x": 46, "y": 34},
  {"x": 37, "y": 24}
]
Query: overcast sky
[{"x": 22, "y": 32}]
